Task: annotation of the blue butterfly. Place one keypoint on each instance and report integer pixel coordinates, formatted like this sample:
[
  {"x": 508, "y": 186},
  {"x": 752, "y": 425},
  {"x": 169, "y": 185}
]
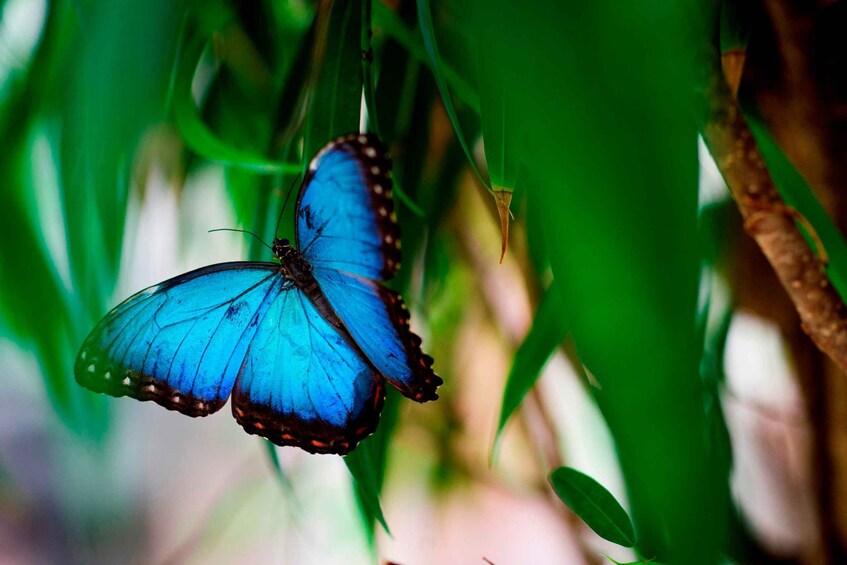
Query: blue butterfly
[{"x": 304, "y": 345}]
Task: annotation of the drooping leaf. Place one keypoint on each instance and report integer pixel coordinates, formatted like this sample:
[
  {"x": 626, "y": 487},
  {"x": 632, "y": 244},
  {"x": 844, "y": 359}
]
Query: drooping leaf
[
  {"x": 363, "y": 464},
  {"x": 195, "y": 132},
  {"x": 428, "y": 34},
  {"x": 501, "y": 127},
  {"x": 594, "y": 505},
  {"x": 336, "y": 96},
  {"x": 546, "y": 334},
  {"x": 411, "y": 41},
  {"x": 368, "y": 67}
]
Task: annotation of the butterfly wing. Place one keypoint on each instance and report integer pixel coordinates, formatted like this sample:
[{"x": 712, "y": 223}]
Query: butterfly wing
[
  {"x": 180, "y": 343},
  {"x": 303, "y": 384},
  {"x": 345, "y": 214},
  {"x": 378, "y": 320}
]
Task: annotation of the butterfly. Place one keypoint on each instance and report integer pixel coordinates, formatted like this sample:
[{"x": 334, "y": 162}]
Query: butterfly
[{"x": 303, "y": 345}]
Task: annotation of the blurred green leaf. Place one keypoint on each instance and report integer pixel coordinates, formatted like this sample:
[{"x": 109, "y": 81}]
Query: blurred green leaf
[
  {"x": 34, "y": 304},
  {"x": 612, "y": 146},
  {"x": 368, "y": 67},
  {"x": 735, "y": 24},
  {"x": 337, "y": 93},
  {"x": 642, "y": 562},
  {"x": 279, "y": 472},
  {"x": 594, "y": 505},
  {"x": 498, "y": 108},
  {"x": 110, "y": 99},
  {"x": 428, "y": 34},
  {"x": 411, "y": 40},
  {"x": 364, "y": 464},
  {"x": 196, "y": 134},
  {"x": 548, "y": 331}
]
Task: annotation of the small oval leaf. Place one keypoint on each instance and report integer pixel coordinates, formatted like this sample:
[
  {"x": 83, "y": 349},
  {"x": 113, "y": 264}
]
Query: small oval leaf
[{"x": 594, "y": 505}]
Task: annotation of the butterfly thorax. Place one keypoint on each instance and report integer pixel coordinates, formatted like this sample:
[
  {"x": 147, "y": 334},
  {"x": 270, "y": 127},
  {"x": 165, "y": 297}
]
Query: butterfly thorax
[{"x": 294, "y": 266}]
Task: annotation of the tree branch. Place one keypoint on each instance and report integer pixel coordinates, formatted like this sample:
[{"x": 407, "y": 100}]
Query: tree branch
[{"x": 771, "y": 222}]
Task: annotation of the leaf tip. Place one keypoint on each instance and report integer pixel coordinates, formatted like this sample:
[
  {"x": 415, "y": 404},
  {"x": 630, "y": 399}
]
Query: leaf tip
[{"x": 503, "y": 198}]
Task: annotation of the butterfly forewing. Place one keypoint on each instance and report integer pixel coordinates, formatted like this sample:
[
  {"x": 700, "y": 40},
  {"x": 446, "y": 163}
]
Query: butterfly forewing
[
  {"x": 345, "y": 212},
  {"x": 180, "y": 343}
]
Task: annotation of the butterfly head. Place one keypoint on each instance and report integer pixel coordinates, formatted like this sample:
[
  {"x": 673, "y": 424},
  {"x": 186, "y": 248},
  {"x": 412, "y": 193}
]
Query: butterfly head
[{"x": 281, "y": 248}]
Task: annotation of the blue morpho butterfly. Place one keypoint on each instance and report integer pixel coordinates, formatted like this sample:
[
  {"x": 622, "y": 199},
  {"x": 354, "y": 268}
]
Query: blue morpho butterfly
[{"x": 304, "y": 345}]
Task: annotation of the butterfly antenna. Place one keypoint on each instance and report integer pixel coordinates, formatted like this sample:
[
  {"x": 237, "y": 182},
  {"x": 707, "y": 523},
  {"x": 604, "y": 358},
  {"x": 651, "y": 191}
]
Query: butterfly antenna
[
  {"x": 262, "y": 241},
  {"x": 284, "y": 204}
]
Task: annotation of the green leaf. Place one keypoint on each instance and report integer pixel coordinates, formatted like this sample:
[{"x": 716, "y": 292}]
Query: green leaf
[
  {"x": 337, "y": 94},
  {"x": 735, "y": 25},
  {"x": 797, "y": 194},
  {"x": 368, "y": 67},
  {"x": 411, "y": 40},
  {"x": 594, "y": 505},
  {"x": 615, "y": 173},
  {"x": 548, "y": 331},
  {"x": 196, "y": 134},
  {"x": 498, "y": 108},
  {"x": 642, "y": 562},
  {"x": 428, "y": 34},
  {"x": 363, "y": 464},
  {"x": 279, "y": 472}
]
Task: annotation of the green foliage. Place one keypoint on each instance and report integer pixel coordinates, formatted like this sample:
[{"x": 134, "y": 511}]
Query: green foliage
[
  {"x": 432, "y": 51},
  {"x": 547, "y": 333},
  {"x": 584, "y": 110},
  {"x": 594, "y": 505}
]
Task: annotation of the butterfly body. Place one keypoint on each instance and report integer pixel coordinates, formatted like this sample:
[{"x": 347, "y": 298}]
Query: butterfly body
[{"x": 303, "y": 346}]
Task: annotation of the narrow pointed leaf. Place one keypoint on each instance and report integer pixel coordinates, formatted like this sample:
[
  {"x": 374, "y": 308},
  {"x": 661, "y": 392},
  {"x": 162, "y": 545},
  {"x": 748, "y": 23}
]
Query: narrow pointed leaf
[
  {"x": 337, "y": 92},
  {"x": 362, "y": 464},
  {"x": 546, "y": 334},
  {"x": 428, "y": 33},
  {"x": 411, "y": 40}
]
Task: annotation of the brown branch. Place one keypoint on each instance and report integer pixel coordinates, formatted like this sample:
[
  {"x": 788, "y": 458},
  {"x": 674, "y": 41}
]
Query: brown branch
[{"x": 771, "y": 222}]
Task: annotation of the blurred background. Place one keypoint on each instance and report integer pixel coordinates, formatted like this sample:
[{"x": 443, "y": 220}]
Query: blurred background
[{"x": 632, "y": 330}]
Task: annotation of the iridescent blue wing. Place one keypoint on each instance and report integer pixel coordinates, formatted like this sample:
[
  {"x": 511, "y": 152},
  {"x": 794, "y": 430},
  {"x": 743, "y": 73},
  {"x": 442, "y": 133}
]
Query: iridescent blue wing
[
  {"x": 345, "y": 214},
  {"x": 180, "y": 343},
  {"x": 379, "y": 322},
  {"x": 303, "y": 384}
]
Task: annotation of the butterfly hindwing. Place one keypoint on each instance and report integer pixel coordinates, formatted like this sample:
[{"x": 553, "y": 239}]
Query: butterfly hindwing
[
  {"x": 303, "y": 384},
  {"x": 180, "y": 343},
  {"x": 345, "y": 213},
  {"x": 379, "y": 322}
]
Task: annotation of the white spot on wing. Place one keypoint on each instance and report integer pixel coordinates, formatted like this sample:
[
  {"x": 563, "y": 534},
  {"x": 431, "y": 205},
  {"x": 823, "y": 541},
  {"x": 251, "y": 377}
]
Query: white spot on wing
[{"x": 370, "y": 152}]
